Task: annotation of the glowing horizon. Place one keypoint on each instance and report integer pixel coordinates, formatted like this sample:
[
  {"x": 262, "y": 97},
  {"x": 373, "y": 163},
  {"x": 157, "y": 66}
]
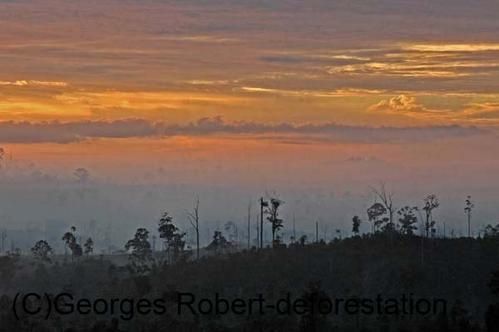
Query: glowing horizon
[{"x": 328, "y": 94}]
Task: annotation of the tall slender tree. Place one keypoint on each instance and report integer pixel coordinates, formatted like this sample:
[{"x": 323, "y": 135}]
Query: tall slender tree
[
  {"x": 249, "y": 224},
  {"x": 3, "y": 238},
  {"x": 263, "y": 205},
  {"x": 468, "y": 208},
  {"x": 430, "y": 203},
  {"x": 194, "y": 220},
  {"x": 356, "y": 225},
  {"x": 274, "y": 219}
]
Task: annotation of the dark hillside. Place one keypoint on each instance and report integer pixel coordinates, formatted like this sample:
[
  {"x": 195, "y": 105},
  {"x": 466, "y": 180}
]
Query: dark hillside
[{"x": 456, "y": 270}]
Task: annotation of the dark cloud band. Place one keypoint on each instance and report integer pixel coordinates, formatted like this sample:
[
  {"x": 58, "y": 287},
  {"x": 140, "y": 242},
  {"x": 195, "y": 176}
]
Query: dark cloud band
[{"x": 59, "y": 132}]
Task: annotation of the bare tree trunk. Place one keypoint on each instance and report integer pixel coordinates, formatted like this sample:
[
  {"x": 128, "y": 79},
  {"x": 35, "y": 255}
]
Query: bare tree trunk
[
  {"x": 316, "y": 232},
  {"x": 294, "y": 228},
  {"x": 197, "y": 238},
  {"x": 261, "y": 223},
  {"x": 194, "y": 220},
  {"x": 469, "y": 225},
  {"x": 249, "y": 225},
  {"x": 427, "y": 225},
  {"x": 257, "y": 231},
  {"x": 387, "y": 201},
  {"x": 4, "y": 237}
]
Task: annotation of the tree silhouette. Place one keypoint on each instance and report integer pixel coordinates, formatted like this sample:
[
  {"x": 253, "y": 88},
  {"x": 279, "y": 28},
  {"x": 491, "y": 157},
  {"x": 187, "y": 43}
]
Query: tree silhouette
[
  {"x": 263, "y": 206},
  {"x": 387, "y": 202},
  {"x": 173, "y": 238},
  {"x": 194, "y": 220},
  {"x": 374, "y": 214},
  {"x": 70, "y": 240},
  {"x": 468, "y": 208},
  {"x": 88, "y": 246},
  {"x": 3, "y": 237},
  {"x": 42, "y": 251},
  {"x": 430, "y": 203},
  {"x": 273, "y": 217},
  {"x": 407, "y": 220},
  {"x": 141, "y": 253},
  {"x": 356, "y": 225},
  {"x": 219, "y": 242}
]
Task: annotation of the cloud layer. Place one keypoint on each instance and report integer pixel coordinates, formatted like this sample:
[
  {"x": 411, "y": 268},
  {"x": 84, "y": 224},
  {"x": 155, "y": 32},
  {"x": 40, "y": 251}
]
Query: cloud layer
[
  {"x": 323, "y": 60},
  {"x": 59, "y": 132}
]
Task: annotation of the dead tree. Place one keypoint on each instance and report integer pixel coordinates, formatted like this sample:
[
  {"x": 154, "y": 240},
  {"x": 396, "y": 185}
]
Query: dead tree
[
  {"x": 249, "y": 225},
  {"x": 194, "y": 220},
  {"x": 386, "y": 199},
  {"x": 273, "y": 218}
]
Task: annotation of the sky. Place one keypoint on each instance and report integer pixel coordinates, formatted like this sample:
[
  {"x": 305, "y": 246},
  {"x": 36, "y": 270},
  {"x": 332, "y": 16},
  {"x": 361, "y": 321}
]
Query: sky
[{"x": 228, "y": 100}]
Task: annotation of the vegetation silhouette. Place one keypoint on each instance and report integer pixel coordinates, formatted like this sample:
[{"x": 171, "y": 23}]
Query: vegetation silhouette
[{"x": 464, "y": 271}]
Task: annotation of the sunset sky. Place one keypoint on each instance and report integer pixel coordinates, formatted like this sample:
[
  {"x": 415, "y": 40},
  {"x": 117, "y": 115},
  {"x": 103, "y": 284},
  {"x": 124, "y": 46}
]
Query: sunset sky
[{"x": 298, "y": 97}]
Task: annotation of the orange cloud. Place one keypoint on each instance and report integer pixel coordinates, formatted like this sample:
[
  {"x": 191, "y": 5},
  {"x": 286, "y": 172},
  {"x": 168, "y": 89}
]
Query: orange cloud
[
  {"x": 487, "y": 111},
  {"x": 34, "y": 83},
  {"x": 401, "y": 103}
]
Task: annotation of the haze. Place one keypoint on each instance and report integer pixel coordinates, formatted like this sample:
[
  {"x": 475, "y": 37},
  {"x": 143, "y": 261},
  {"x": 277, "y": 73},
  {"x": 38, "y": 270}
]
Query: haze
[{"x": 164, "y": 101}]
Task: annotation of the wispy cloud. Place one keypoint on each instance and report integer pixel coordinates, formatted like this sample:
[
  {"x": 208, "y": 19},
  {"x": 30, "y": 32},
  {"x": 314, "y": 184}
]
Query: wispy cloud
[
  {"x": 34, "y": 83},
  {"x": 449, "y": 47},
  {"x": 314, "y": 93},
  {"x": 443, "y": 60},
  {"x": 486, "y": 112},
  {"x": 144, "y": 99},
  {"x": 198, "y": 39},
  {"x": 208, "y": 82},
  {"x": 478, "y": 113}
]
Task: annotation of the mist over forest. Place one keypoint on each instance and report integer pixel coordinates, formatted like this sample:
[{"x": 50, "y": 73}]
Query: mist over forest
[{"x": 110, "y": 210}]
